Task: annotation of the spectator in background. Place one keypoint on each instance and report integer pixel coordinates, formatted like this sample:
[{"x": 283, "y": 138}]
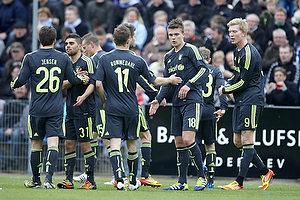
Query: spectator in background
[
  {"x": 253, "y": 25},
  {"x": 198, "y": 13},
  {"x": 10, "y": 73},
  {"x": 251, "y": 39},
  {"x": 60, "y": 7},
  {"x": 281, "y": 92},
  {"x": 160, "y": 18},
  {"x": 296, "y": 22},
  {"x": 222, "y": 8},
  {"x": 267, "y": 17},
  {"x": 190, "y": 35},
  {"x": 158, "y": 67},
  {"x": 119, "y": 12},
  {"x": 74, "y": 22},
  {"x": 272, "y": 52},
  {"x": 98, "y": 13},
  {"x": 280, "y": 17},
  {"x": 244, "y": 8},
  {"x": 44, "y": 17},
  {"x": 43, "y": 3},
  {"x": 214, "y": 21},
  {"x": 229, "y": 61},
  {"x": 218, "y": 60},
  {"x": 287, "y": 4},
  {"x": 287, "y": 61},
  {"x": 155, "y": 6},
  {"x": 106, "y": 43},
  {"x": 133, "y": 16},
  {"x": 218, "y": 40},
  {"x": 60, "y": 43},
  {"x": 11, "y": 11},
  {"x": 12, "y": 127},
  {"x": 20, "y": 35},
  {"x": 151, "y": 52}
]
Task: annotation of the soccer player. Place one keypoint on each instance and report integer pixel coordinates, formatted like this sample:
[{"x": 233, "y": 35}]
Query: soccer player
[
  {"x": 118, "y": 72},
  {"x": 91, "y": 47},
  {"x": 210, "y": 117},
  {"x": 248, "y": 91},
  {"x": 47, "y": 68},
  {"x": 80, "y": 115},
  {"x": 187, "y": 62},
  {"x": 145, "y": 134}
]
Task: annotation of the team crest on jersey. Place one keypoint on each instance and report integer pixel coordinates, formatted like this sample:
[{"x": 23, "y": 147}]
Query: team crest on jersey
[
  {"x": 77, "y": 68},
  {"x": 180, "y": 67},
  {"x": 180, "y": 57}
]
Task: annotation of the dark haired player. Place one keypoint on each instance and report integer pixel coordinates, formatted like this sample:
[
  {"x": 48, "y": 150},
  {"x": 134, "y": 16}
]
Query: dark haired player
[
  {"x": 118, "y": 72},
  {"x": 91, "y": 47},
  {"x": 187, "y": 62},
  {"x": 80, "y": 115},
  {"x": 47, "y": 69},
  {"x": 210, "y": 117},
  {"x": 248, "y": 91}
]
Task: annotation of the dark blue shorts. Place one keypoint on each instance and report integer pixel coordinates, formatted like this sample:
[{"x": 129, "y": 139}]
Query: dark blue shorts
[
  {"x": 39, "y": 127},
  {"x": 185, "y": 118},
  {"x": 80, "y": 129},
  {"x": 207, "y": 132},
  {"x": 99, "y": 122},
  {"x": 144, "y": 126},
  {"x": 127, "y": 128},
  {"x": 245, "y": 117}
]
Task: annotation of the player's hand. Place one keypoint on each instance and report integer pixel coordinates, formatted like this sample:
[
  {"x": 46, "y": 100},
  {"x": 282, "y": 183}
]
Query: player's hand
[
  {"x": 163, "y": 102},
  {"x": 175, "y": 80},
  {"x": 220, "y": 90},
  {"x": 154, "y": 106},
  {"x": 183, "y": 92},
  {"x": 87, "y": 79},
  {"x": 219, "y": 113},
  {"x": 79, "y": 101},
  {"x": 81, "y": 72}
]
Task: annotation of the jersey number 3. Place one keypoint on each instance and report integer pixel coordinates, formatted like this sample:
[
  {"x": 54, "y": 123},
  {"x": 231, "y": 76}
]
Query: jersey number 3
[{"x": 50, "y": 77}]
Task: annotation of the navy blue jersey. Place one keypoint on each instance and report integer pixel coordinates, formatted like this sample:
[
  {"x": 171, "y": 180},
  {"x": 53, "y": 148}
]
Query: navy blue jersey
[
  {"x": 150, "y": 91},
  {"x": 247, "y": 83},
  {"x": 47, "y": 69},
  {"x": 213, "y": 80},
  {"x": 187, "y": 63},
  {"x": 87, "y": 108},
  {"x": 119, "y": 71},
  {"x": 96, "y": 58}
]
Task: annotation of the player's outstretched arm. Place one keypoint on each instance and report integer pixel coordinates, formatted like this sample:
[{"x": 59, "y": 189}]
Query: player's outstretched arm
[
  {"x": 89, "y": 90},
  {"x": 173, "y": 79}
]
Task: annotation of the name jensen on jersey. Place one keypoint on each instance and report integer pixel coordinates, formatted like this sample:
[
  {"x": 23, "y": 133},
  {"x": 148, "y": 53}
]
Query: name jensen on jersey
[
  {"x": 179, "y": 67},
  {"x": 49, "y": 61},
  {"x": 122, "y": 62}
]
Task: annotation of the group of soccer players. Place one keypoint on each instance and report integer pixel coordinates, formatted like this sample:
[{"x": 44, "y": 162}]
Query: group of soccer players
[{"x": 189, "y": 83}]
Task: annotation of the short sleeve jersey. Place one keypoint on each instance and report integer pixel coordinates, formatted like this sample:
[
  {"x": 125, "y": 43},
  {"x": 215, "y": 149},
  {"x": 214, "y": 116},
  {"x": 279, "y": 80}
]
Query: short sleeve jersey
[
  {"x": 247, "y": 83},
  {"x": 119, "y": 71},
  {"x": 47, "y": 69},
  {"x": 87, "y": 108},
  {"x": 96, "y": 58},
  {"x": 187, "y": 63}
]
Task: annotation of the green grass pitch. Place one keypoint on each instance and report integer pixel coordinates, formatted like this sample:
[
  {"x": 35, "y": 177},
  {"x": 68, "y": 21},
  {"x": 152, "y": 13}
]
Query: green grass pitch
[{"x": 12, "y": 188}]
